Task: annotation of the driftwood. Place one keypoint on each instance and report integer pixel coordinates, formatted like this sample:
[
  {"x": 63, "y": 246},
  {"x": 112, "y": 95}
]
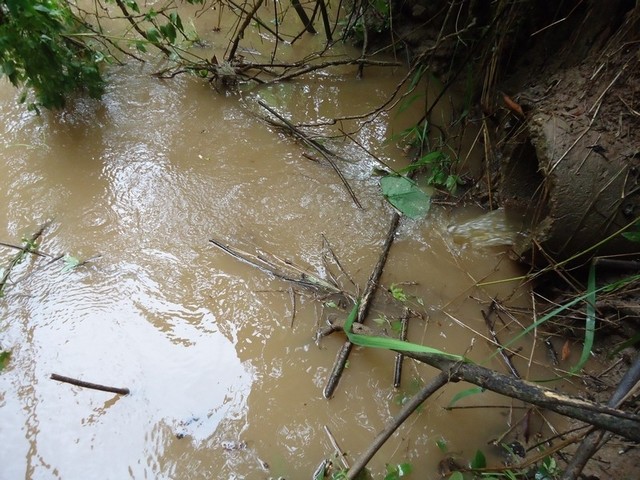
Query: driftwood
[
  {"x": 93, "y": 386},
  {"x": 365, "y": 302}
]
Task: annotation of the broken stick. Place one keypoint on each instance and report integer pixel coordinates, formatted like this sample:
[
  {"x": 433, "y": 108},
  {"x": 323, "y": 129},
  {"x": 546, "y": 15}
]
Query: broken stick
[
  {"x": 365, "y": 302},
  {"x": 93, "y": 386}
]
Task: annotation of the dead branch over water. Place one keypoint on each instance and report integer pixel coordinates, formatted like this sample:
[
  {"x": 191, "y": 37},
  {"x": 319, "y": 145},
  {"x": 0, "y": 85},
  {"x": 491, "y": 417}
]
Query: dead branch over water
[{"x": 607, "y": 418}]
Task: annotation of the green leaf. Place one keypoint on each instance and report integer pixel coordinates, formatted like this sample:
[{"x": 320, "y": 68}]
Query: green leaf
[
  {"x": 4, "y": 359},
  {"x": 405, "y": 195},
  {"x": 464, "y": 393},
  {"x": 590, "y": 321},
  {"x": 70, "y": 263},
  {"x": 133, "y": 5},
  {"x": 153, "y": 35},
  {"x": 456, "y": 476},
  {"x": 441, "y": 443},
  {"x": 397, "y": 293},
  {"x": 633, "y": 236},
  {"x": 479, "y": 460}
]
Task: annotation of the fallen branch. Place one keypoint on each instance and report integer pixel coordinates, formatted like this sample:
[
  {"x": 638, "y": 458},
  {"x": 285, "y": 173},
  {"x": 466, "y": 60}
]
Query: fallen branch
[
  {"x": 367, "y": 297},
  {"x": 326, "y": 153},
  {"x": 93, "y": 386},
  {"x": 439, "y": 381},
  {"x": 607, "y": 418},
  {"x": 305, "y": 279},
  {"x": 397, "y": 370},
  {"x": 596, "y": 438}
]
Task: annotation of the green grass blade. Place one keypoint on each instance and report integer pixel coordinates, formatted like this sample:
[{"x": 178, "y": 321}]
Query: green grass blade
[
  {"x": 590, "y": 321},
  {"x": 463, "y": 394},
  {"x": 390, "y": 343}
]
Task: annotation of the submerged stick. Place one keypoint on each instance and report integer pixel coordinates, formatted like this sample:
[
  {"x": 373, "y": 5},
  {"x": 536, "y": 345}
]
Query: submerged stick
[
  {"x": 339, "y": 452},
  {"x": 439, "y": 381},
  {"x": 496, "y": 340},
  {"x": 397, "y": 371},
  {"x": 365, "y": 302},
  {"x": 93, "y": 386},
  {"x": 326, "y": 153}
]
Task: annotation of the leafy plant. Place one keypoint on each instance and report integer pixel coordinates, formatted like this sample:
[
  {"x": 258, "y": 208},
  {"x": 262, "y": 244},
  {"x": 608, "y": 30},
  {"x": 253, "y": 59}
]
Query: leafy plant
[
  {"x": 40, "y": 49},
  {"x": 4, "y": 359},
  {"x": 395, "y": 472},
  {"x": 439, "y": 166}
]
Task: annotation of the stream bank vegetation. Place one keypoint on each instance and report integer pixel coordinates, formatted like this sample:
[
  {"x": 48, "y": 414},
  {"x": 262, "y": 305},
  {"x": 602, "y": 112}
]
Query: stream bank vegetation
[{"x": 559, "y": 140}]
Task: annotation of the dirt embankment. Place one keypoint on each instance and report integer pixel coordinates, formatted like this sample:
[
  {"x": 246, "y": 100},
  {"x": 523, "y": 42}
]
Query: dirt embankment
[{"x": 570, "y": 164}]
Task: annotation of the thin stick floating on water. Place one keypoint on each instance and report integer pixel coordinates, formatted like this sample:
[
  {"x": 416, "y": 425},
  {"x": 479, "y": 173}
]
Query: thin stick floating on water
[{"x": 93, "y": 386}]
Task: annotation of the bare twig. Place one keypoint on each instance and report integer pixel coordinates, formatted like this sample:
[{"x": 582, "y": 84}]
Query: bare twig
[
  {"x": 367, "y": 297},
  {"x": 308, "y": 26},
  {"x": 243, "y": 27},
  {"x": 326, "y": 153},
  {"x": 439, "y": 381},
  {"x": 397, "y": 371},
  {"x": 93, "y": 386},
  {"x": 28, "y": 247},
  {"x": 339, "y": 452}
]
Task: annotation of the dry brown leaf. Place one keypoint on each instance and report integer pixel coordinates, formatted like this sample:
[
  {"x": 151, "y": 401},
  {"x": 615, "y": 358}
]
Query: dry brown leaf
[
  {"x": 513, "y": 106},
  {"x": 566, "y": 350}
]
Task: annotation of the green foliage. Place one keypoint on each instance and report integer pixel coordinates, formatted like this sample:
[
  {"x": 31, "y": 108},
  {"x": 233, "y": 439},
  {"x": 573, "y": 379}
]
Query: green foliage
[
  {"x": 405, "y": 195},
  {"x": 441, "y": 443},
  {"x": 70, "y": 263},
  {"x": 398, "y": 293},
  {"x": 464, "y": 393},
  {"x": 4, "y": 359},
  {"x": 479, "y": 460},
  {"x": 634, "y": 235},
  {"x": 439, "y": 166},
  {"x": 40, "y": 50},
  {"x": 396, "y": 472}
]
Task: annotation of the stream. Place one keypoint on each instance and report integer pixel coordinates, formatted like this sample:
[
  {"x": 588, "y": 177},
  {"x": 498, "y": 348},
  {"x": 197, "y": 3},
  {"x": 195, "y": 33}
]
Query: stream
[{"x": 226, "y": 378}]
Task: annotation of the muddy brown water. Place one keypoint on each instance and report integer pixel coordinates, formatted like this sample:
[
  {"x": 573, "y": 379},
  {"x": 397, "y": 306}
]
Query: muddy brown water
[{"x": 226, "y": 380}]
